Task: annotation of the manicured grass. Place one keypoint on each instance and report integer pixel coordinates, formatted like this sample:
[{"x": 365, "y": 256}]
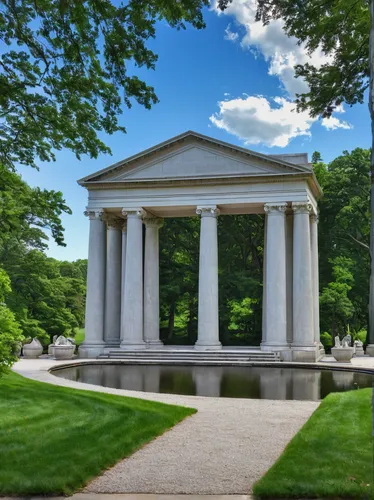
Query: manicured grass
[
  {"x": 331, "y": 456},
  {"x": 55, "y": 439}
]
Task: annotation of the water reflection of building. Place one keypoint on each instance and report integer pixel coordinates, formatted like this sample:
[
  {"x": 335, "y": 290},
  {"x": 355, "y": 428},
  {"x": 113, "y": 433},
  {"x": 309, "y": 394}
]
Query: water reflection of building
[
  {"x": 306, "y": 384},
  {"x": 276, "y": 383},
  {"x": 207, "y": 380},
  {"x": 342, "y": 379}
]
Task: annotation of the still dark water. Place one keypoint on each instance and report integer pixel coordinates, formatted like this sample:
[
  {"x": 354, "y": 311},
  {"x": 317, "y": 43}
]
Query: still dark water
[{"x": 221, "y": 381}]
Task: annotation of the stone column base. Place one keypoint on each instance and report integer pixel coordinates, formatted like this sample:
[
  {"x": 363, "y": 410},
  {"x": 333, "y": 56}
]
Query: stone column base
[
  {"x": 137, "y": 346},
  {"x": 90, "y": 350},
  {"x": 283, "y": 350},
  {"x": 201, "y": 346},
  {"x": 306, "y": 354},
  {"x": 112, "y": 343},
  {"x": 154, "y": 344}
]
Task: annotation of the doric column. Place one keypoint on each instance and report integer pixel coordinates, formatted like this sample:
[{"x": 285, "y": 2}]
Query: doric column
[
  {"x": 275, "y": 277},
  {"x": 303, "y": 329},
  {"x": 315, "y": 274},
  {"x": 132, "y": 319},
  {"x": 208, "y": 321},
  {"x": 112, "y": 322},
  {"x": 151, "y": 283},
  {"x": 93, "y": 344},
  {"x": 123, "y": 272}
]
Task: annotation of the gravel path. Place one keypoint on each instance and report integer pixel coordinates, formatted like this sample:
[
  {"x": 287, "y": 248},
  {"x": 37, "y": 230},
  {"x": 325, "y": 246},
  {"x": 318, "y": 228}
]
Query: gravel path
[{"x": 223, "y": 449}]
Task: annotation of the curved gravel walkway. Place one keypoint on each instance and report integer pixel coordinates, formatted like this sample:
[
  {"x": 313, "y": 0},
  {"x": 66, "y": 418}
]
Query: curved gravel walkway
[{"x": 223, "y": 449}]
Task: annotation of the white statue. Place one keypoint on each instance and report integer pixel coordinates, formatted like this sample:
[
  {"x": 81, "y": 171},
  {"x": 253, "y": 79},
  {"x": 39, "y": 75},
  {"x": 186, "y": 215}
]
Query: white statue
[
  {"x": 337, "y": 341},
  {"x": 347, "y": 340},
  {"x": 61, "y": 340}
]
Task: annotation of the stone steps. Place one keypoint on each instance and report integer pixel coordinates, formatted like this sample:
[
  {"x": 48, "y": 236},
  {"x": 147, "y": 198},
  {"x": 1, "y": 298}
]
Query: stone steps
[{"x": 183, "y": 356}]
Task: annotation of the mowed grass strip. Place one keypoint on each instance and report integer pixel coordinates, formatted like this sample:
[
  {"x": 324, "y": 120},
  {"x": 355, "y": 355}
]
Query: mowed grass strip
[
  {"x": 53, "y": 440},
  {"x": 331, "y": 456}
]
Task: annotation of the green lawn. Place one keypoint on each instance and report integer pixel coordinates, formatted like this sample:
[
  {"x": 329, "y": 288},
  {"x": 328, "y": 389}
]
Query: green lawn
[
  {"x": 55, "y": 439},
  {"x": 331, "y": 456}
]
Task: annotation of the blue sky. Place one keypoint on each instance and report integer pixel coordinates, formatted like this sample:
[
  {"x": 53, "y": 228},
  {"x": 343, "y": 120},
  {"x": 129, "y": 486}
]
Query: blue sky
[{"x": 221, "y": 82}]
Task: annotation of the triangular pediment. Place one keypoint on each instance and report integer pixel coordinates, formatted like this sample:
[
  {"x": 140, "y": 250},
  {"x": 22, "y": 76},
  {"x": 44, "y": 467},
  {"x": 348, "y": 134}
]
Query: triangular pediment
[{"x": 192, "y": 156}]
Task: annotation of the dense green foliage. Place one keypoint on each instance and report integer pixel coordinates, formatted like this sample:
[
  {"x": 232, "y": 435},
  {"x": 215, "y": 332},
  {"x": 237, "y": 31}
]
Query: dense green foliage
[
  {"x": 45, "y": 296},
  {"x": 10, "y": 333},
  {"x": 68, "y": 69},
  {"x": 344, "y": 229},
  {"x": 240, "y": 278},
  {"x": 330, "y": 457},
  {"x": 74, "y": 434}
]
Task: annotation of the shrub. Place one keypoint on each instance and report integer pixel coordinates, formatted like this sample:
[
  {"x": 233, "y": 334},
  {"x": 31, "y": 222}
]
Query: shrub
[
  {"x": 10, "y": 338},
  {"x": 326, "y": 340}
]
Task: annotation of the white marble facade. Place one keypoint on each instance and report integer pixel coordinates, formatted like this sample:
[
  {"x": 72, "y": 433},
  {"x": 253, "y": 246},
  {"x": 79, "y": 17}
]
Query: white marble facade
[{"x": 194, "y": 175}]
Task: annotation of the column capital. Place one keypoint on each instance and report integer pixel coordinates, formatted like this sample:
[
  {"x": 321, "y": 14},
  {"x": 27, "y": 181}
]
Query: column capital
[
  {"x": 124, "y": 225},
  {"x": 207, "y": 211},
  {"x": 314, "y": 218},
  {"x": 302, "y": 207},
  {"x": 153, "y": 222},
  {"x": 275, "y": 208},
  {"x": 92, "y": 214},
  {"x": 113, "y": 222},
  {"x": 138, "y": 213}
]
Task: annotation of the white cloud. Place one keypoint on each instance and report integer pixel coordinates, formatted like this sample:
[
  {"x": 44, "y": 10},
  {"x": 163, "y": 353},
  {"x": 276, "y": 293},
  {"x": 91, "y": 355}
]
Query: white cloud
[
  {"x": 333, "y": 123},
  {"x": 230, "y": 35},
  {"x": 282, "y": 53},
  {"x": 256, "y": 120}
]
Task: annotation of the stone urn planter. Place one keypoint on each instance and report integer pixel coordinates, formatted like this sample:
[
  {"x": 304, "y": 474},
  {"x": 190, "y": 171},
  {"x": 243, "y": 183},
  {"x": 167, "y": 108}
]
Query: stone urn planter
[
  {"x": 63, "y": 351},
  {"x": 32, "y": 350},
  {"x": 50, "y": 349},
  {"x": 343, "y": 354},
  {"x": 370, "y": 350}
]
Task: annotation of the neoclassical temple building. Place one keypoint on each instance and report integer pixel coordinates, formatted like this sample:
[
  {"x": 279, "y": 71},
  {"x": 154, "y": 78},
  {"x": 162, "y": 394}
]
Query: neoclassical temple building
[{"x": 192, "y": 175}]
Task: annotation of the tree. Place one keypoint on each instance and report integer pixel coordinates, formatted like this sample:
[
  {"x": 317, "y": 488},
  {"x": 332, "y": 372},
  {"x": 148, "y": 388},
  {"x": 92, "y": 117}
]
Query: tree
[
  {"x": 26, "y": 213},
  {"x": 344, "y": 30},
  {"x": 344, "y": 224},
  {"x": 334, "y": 298},
  {"x": 68, "y": 67},
  {"x": 10, "y": 333}
]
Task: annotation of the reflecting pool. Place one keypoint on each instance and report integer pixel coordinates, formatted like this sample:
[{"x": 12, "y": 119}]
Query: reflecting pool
[{"x": 220, "y": 381}]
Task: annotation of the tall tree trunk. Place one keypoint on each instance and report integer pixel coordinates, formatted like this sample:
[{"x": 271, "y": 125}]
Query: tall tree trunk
[{"x": 371, "y": 108}]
